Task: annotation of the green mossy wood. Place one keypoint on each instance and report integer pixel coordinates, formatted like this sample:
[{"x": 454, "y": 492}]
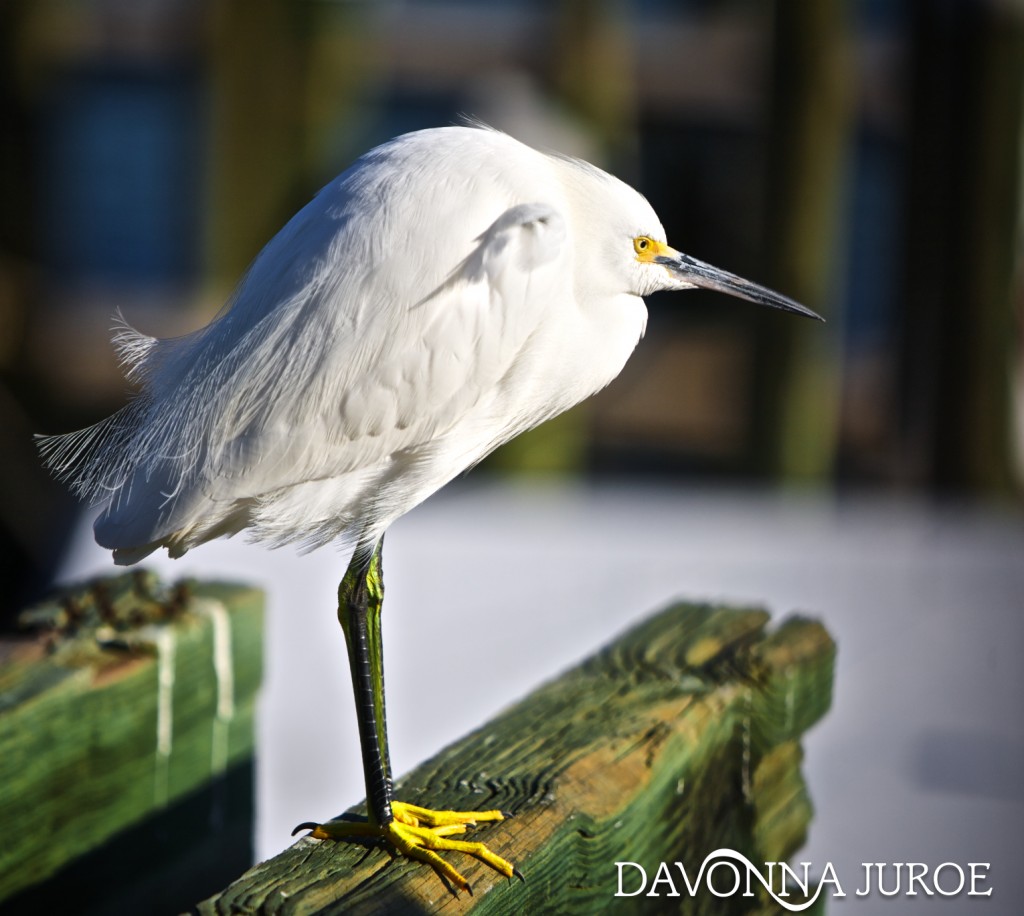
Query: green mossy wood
[
  {"x": 126, "y": 698},
  {"x": 678, "y": 739}
]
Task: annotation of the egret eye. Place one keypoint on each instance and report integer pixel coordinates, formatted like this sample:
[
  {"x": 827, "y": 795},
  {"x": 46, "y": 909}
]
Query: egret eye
[{"x": 642, "y": 244}]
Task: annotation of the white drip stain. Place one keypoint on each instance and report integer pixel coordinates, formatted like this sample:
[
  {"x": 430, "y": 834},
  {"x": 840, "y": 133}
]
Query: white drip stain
[
  {"x": 165, "y": 641},
  {"x": 224, "y": 673}
]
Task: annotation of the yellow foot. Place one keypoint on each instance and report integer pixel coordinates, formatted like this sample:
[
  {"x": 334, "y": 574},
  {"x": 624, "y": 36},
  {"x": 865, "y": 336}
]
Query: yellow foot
[{"x": 419, "y": 833}]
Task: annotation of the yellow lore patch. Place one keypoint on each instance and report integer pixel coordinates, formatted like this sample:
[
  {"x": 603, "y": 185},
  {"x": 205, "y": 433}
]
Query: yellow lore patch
[{"x": 647, "y": 249}]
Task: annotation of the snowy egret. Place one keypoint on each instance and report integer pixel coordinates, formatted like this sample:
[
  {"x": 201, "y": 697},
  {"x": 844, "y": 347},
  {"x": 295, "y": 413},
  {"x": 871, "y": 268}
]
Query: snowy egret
[{"x": 450, "y": 290}]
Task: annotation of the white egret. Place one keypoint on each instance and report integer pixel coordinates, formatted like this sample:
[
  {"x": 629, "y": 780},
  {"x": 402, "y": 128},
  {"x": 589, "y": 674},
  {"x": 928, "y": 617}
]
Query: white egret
[{"x": 450, "y": 290}]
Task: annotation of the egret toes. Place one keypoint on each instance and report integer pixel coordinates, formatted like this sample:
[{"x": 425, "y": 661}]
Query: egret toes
[{"x": 420, "y": 833}]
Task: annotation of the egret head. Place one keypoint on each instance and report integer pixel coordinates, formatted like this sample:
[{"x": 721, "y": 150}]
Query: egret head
[{"x": 643, "y": 255}]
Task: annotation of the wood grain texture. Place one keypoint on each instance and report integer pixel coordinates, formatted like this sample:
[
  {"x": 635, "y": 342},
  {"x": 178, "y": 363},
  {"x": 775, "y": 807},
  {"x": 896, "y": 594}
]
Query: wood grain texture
[
  {"x": 117, "y": 707},
  {"x": 679, "y": 738}
]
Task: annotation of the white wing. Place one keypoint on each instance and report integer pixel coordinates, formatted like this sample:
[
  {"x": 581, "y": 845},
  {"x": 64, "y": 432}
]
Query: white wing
[{"x": 366, "y": 331}]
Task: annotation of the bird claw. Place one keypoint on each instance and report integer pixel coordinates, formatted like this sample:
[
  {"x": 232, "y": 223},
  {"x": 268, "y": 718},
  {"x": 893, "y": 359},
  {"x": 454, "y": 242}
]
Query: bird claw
[{"x": 420, "y": 833}]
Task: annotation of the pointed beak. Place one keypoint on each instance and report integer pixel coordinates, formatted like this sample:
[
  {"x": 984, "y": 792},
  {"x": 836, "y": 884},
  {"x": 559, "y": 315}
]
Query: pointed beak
[{"x": 696, "y": 273}]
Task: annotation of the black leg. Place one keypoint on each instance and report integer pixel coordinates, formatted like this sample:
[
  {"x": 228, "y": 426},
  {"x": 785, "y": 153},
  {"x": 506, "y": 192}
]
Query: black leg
[
  {"x": 360, "y": 600},
  {"x": 411, "y": 830}
]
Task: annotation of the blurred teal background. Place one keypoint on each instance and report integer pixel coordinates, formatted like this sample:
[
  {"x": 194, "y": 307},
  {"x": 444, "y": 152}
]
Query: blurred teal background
[{"x": 859, "y": 155}]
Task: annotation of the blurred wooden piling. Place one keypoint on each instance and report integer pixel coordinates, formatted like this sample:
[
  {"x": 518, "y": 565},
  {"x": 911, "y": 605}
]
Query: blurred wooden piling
[
  {"x": 678, "y": 739},
  {"x": 126, "y": 745}
]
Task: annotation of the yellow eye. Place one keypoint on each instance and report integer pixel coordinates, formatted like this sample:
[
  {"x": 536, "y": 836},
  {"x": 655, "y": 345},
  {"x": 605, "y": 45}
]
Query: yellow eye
[{"x": 647, "y": 249}]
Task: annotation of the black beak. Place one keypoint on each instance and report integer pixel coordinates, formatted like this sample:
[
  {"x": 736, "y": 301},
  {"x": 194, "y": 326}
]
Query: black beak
[{"x": 697, "y": 273}]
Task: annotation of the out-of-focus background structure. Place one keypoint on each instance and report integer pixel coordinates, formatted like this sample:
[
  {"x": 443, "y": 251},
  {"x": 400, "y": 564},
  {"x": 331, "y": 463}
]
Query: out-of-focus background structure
[{"x": 861, "y": 156}]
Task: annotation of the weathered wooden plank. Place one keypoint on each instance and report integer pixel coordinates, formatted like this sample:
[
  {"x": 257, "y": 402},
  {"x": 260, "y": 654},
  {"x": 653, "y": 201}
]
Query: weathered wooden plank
[
  {"x": 677, "y": 739},
  {"x": 127, "y": 698}
]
